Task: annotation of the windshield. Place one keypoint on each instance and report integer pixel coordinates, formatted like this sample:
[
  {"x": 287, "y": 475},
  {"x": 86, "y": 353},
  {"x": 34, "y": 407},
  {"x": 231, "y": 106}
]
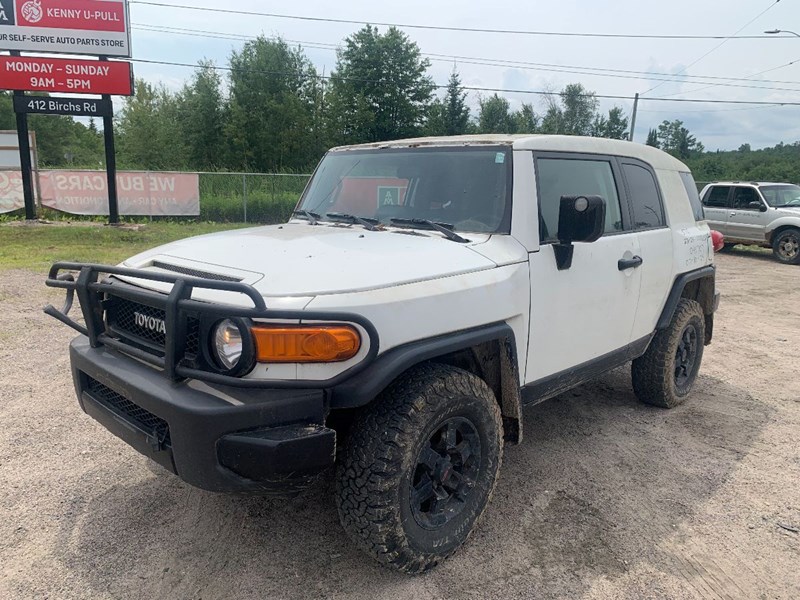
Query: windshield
[
  {"x": 468, "y": 188},
  {"x": 781, "y": 195}
]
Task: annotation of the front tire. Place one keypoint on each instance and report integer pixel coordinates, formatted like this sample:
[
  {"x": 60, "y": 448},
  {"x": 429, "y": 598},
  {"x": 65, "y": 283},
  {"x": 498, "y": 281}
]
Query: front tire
[
  {"x": 664, "y": 375},
  {"x": 786, "y": 246},
  {"x": 420, "y": 467}
]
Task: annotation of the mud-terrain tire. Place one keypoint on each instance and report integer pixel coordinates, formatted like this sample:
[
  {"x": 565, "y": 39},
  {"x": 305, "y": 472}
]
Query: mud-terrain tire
[
  {"x": 663, "y": 376},
  {"x": 786, "y": 246},
  {"x": 420, "y": 467}
]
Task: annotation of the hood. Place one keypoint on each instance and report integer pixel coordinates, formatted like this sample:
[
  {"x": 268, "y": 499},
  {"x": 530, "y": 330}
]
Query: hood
[{"x": 299, "y": 259}]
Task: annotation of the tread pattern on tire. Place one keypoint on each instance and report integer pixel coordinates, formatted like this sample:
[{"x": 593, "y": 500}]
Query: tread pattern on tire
[
  {"x": 653, "y": 372},
  {"x": 366, "y": 485}
]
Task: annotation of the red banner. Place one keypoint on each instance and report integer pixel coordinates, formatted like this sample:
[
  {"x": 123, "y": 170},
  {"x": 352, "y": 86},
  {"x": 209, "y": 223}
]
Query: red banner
[
  {"x": 85, "y": 15},
  {"x": 37, "y": 74},
  {"x": 11, "y": 197},
  {"x": 139, "y": 193}
]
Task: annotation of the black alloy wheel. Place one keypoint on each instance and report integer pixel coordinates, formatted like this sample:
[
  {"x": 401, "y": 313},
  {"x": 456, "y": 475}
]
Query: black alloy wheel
[
  {"x": 686, "y": 356},
  {"x": 446, "y": 471}
]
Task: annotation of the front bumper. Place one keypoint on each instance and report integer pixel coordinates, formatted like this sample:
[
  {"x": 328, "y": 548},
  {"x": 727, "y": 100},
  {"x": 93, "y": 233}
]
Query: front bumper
[{"x": 213, "y": 437}]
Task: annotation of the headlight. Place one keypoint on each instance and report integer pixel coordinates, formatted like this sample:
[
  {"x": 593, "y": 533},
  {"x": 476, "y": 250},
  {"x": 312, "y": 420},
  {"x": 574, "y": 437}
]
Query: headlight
[{"x": 228, "y": 344}]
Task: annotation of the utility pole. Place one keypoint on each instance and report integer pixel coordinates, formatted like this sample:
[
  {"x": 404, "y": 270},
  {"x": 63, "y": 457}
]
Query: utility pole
[{"x": 633, "y": 117}]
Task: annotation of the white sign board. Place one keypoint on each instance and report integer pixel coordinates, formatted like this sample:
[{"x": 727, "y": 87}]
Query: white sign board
[
  {"x": 96, "y": 27},
  {"x": 9, "y": 149}
]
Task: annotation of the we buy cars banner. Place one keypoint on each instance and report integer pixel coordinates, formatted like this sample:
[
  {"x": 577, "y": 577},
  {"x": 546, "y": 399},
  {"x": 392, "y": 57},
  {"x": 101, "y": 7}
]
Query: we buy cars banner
[
  {"x": 11, "y": 197},
  {"x": 98, "y": 27},
  {"x": 140, "y": 193},
  {"x": 37, "y": 74}
]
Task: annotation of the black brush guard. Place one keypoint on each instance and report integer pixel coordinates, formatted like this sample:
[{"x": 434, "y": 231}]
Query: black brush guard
[{"x": 178, "y": 306}]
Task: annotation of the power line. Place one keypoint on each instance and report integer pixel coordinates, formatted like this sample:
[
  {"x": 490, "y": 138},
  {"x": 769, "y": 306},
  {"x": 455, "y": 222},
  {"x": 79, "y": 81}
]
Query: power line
[
  {"x": 749, "y": 78},
  {"x": 710, "y": 110},
  {"x": 472, "y": 88},
  {"x": 553, "y": 68},
  {"x": 687, "y": 67},
  {"x": 449, "y": 28}
]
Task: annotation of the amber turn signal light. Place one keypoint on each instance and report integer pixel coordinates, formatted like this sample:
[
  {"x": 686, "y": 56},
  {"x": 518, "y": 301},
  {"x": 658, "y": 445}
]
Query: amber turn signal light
[{"x": 301, "y": 344}]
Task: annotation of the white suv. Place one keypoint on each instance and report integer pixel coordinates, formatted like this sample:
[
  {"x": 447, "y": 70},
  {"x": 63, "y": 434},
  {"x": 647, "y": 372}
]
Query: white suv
[
  {"x": 756, "y": 213},
  {"x": 424, "y": 292}
]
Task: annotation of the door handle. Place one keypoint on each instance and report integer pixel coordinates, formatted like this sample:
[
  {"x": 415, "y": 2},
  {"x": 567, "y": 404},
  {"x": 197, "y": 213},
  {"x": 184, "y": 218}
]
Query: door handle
[
  {"x": 629, "y": 263},
  {"x": 733, "y": 214}
]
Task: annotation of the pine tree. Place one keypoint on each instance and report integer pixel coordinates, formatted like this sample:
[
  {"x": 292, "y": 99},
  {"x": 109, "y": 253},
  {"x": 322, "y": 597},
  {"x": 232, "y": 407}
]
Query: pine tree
[
  {"x": 456, "y": 111},
  {"x": 652, "y": 139}
]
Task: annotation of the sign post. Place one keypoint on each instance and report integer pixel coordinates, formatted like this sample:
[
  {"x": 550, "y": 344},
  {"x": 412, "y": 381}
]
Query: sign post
[
  {"x": 111, "y": 165},
  {"x": 111, "y": 161},
  {"x": 25, "y": 160},
  {"x": 95, "y": 27}
]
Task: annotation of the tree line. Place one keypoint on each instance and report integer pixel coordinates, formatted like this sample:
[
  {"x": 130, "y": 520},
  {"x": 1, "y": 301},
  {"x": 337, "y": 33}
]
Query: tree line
[{"x": 273, "y": 112}]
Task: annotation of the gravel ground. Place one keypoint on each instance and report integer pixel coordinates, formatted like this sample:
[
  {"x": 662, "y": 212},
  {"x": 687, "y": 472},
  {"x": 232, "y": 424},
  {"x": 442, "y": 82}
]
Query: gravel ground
[{"x": 606, "y": 498}]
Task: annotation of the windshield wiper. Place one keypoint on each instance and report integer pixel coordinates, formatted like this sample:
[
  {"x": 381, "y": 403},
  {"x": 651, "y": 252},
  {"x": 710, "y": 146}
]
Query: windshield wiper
[
  {"x": 444, "y": 228},
  {"x": 368, "y": 222},
  {"x": 311, "y": 216}
]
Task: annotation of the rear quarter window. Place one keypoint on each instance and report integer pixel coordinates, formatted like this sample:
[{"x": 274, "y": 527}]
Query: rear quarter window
[
  {"x": 694, "y": 195},
  {"x": 648, "y": 213}
]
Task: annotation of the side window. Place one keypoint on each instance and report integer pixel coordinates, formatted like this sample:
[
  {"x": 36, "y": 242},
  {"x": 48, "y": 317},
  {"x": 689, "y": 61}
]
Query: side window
[
  {"x": 717, "y": 196},
  {"x": 645, "y": 199},
  {"x": 743, "y": 196},
  {"x": 694, "y": 195},
  {"x": 573, "y": 177}
]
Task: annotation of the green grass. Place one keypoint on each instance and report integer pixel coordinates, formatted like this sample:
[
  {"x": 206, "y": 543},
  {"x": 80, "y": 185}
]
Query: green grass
[
  {"x": 261, "y": 207},
  {"x": 36, "y": 247}
]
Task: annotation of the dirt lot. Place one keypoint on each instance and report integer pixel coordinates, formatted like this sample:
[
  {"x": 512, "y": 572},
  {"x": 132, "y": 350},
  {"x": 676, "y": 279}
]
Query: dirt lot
[{"x": 606, "y": 498}]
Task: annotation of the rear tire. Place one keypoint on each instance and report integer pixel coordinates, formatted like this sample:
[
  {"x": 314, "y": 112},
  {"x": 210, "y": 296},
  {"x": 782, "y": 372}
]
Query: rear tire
[
  {"x": 664, "y": 375},
  {"x": 786, "y": 246},
  {"x": 420, "y": 467}
]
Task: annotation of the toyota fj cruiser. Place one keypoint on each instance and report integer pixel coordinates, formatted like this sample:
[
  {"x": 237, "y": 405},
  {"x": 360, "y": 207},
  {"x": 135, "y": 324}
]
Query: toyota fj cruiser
[
  {"x": 424, "y": 291},
  {"x": 756, "y": 213}
]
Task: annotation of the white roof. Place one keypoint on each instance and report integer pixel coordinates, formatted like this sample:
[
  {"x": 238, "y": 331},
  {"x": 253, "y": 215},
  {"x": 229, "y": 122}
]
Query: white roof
[
  {"x": 746, "y": 182},
  {"x": 553, "y": 143}
]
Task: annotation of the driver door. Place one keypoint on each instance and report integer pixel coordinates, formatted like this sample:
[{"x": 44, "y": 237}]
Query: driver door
[
  {"x": 585, "y": 313},
  {"x": 744, "y": 221}
]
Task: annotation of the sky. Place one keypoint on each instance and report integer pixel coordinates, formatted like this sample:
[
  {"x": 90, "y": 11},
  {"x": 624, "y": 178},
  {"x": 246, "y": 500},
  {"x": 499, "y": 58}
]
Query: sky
[{"x": 717, "y": 126}]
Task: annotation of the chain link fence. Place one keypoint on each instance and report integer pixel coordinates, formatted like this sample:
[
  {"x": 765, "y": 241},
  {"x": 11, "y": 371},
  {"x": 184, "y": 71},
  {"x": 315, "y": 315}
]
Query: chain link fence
[
  {"x": 250, "y": 197},
  {"x": 224, "y": 197}
]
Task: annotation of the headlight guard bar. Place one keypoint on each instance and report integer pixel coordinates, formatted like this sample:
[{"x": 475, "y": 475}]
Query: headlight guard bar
[{"x": 92, "y": 292}]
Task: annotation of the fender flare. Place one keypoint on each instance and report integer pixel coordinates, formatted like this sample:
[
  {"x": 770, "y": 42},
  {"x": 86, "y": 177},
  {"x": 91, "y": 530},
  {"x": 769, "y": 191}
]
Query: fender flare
[
  {"x": 365, "y": 386},
  {"x": 676, "y": 293},
  {"x": 781, "y": 223}
]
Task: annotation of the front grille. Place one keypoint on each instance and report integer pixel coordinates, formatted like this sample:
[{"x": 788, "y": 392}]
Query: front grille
[
  {"x": 194, "y": 272},
  {"x": 137, "y": 415},
  {"x": 121, "y": 317}
]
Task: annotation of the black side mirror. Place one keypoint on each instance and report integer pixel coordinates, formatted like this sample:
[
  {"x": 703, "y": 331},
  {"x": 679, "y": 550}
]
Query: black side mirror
[
  {"x": 580, "y": 219},
  {"x": 757, "y": 206}
]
